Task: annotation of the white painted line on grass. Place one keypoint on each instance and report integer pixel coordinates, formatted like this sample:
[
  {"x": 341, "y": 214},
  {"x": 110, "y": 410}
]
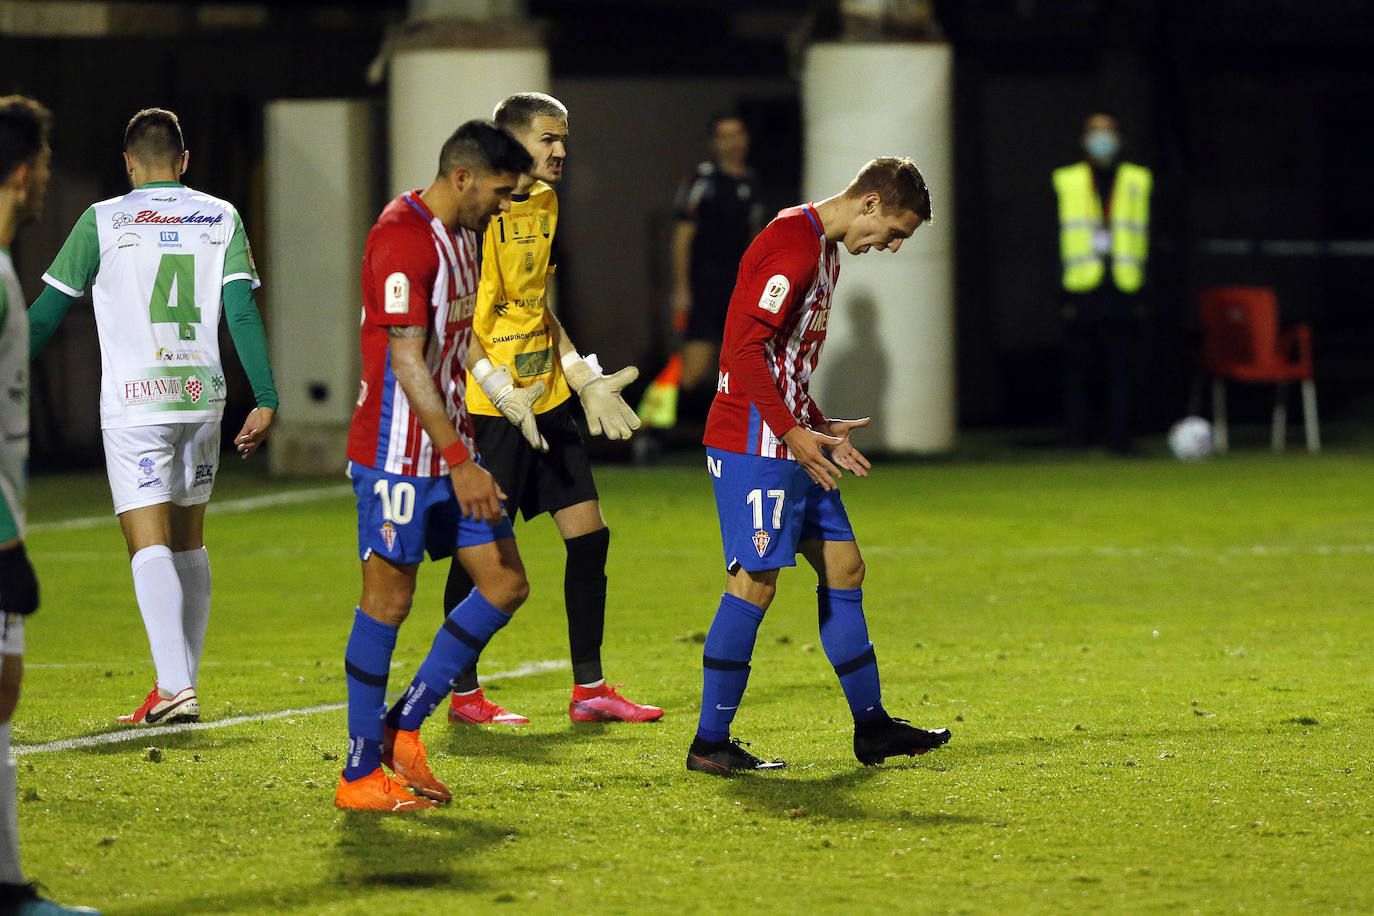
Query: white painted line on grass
[
  {"x": 1132, "y": 553},
  {"x": 247, "y": 504},
  {"x": 139, "y": 734},
  {"x": 116, "y": 666}
]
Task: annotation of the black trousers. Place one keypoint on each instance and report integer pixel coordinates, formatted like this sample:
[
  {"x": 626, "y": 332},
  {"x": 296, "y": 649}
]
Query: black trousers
[{"x": 1104, "y": 336}]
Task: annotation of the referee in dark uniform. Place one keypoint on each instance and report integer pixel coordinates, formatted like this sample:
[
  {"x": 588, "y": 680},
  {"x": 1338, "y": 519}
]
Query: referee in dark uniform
[{"x": 718, "y": 214}]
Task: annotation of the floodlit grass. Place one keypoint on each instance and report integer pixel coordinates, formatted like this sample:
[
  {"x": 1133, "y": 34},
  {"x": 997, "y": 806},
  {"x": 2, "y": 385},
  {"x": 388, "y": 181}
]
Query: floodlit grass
[{"x": 1157, "y": 676}]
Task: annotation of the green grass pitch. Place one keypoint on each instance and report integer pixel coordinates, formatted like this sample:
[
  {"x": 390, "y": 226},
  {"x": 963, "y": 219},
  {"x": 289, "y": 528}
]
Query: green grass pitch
[{"x": 1157, "y": 676}]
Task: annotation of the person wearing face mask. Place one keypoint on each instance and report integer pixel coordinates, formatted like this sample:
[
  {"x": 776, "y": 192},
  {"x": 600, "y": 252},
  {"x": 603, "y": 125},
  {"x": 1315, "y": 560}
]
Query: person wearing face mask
[{"x": 1104, "y": 234}]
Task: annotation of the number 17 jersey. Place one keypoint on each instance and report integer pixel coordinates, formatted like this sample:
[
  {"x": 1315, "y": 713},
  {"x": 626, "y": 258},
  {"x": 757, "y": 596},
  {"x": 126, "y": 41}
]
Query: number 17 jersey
[{"x": 156, "y": 261}]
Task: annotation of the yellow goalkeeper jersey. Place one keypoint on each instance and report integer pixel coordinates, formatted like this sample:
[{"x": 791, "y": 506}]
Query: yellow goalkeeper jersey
[{"x": 510, "y": 319}]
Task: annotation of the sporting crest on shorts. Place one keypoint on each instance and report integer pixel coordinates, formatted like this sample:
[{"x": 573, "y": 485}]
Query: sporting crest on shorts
[
  {"x": 761, "y": 540},
  {"x": 389, "y": 535}
]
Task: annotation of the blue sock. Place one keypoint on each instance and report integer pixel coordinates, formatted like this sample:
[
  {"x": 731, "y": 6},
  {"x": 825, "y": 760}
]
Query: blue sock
[
  {"x": 844, "y": 636},
  {"x": 459, "y": 641},
  {"x": 366, "y": 663},
  {"x": 725, "y": 665}
]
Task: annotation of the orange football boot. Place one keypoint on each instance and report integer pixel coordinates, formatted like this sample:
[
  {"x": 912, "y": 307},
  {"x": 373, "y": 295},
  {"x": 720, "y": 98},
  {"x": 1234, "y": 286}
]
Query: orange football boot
[
  {"x": 404, "y": 755},
  {"x": 377, "y": 792}
]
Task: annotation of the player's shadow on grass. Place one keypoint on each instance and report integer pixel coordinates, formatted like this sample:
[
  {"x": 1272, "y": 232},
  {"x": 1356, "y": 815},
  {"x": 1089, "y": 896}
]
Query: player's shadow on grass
[
  {"x": 1032, "y": 747},
  {"x": 377, "y": 853},
  {"x": 831, "y": 798},
  {"x": 522, "y": 746},
  {"x": 193, "y": 741},
  {"x": 383, "y": 850}
]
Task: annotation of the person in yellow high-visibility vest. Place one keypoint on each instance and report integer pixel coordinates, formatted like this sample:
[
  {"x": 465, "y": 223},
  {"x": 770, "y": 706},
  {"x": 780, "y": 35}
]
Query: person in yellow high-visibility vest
[{"x": 1104, "y": 236}]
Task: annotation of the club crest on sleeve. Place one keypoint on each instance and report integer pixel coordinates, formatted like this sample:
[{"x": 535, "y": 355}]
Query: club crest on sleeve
[
  {"x": 389, "y": 535},
  {"x": 774, "y": 292},
  {"x": 397, "y": 294},
  {"x": 761, "y": 540}
]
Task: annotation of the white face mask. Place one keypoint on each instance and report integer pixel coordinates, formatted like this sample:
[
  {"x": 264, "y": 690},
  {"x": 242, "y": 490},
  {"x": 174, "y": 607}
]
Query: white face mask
[{"x": 1102, "y": 145}]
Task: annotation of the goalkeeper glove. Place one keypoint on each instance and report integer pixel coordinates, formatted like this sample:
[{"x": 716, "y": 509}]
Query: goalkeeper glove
[
  {"x": 515, "y": 404},
  {"x": 607, "y": 412},
  {"x": 18, "y": 584}
]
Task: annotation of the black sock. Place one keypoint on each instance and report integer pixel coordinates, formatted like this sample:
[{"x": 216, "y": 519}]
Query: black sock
[
  {"x": 458, "y": 586},
  {"x": 584, "y": 596}
]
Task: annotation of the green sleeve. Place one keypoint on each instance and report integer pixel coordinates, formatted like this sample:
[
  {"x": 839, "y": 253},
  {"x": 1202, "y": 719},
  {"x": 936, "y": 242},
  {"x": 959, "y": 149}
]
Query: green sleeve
[
  {"x": 8, "y": 529},
  {"x": 79, "y": 260},
  {"x": 4, "y": 306},
  {"x": 245, "y": 327},
  {"x": 238, "y": 258},
  {"x": 45, "y": 315}
]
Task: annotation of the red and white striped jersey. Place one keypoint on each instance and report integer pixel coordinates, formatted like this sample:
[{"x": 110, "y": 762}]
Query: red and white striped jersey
[
  {"x": 418, "y": 272},
  {"x": 774, "y": 330}
]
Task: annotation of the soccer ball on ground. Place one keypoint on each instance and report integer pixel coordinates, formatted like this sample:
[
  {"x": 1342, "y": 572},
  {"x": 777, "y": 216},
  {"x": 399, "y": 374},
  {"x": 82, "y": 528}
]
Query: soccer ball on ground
[{"x": 1190, "y": 439}]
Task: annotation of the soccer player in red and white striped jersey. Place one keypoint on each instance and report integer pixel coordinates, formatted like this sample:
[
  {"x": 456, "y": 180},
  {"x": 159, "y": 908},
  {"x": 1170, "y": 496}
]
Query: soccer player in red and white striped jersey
[
  {"x": 415, "y": 469},
  {"x": 409, "y": 243},
  {"x": 774, "y": 458}
]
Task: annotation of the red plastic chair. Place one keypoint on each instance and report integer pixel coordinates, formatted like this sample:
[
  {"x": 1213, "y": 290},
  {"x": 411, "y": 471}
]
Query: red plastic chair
[{"x": 1241, "y": 341}]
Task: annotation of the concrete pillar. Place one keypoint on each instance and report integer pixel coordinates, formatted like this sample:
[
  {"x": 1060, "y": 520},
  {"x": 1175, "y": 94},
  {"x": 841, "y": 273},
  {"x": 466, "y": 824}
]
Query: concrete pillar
[
  {"x": 320, "y": 174},
  {"x": 890, "y": 348},
  {"x": 447, "y": 71}
]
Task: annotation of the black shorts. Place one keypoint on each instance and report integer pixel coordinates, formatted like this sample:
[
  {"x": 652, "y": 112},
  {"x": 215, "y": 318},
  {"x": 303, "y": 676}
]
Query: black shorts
[
  {"x": 711, "y": 293},
  {"x": 536, "y": 481}
]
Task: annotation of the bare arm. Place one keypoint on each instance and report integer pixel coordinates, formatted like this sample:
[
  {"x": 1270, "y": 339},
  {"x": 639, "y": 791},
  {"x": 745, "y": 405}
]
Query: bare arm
[
  {"x": 562, "y": 344},
  {"x": 476, "y": 352},
  {"x": 407, "y": 343},
  {"x": 683, "y": 234},
  {"x": 478, "y": 495}
]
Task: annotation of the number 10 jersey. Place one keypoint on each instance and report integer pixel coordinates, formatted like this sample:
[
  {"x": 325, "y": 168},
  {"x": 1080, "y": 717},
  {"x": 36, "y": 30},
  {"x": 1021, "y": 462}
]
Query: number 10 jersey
[{"x": 156, "y": 261}]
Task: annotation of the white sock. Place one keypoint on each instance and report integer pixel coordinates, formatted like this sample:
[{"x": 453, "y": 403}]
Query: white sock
[
  {"x": 10, "y": 872},
  {"x": 594, "y": 684},
  {"x": 158, "y": 589},
  {"x": 193, "y": 569}
]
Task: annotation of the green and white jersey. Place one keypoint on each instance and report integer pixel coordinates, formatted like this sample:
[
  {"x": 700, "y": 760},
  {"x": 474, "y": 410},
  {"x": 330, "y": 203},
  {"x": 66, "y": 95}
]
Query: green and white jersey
[
  {"x": 158, "y": 257},
  {"x": 14, "y": 400}
]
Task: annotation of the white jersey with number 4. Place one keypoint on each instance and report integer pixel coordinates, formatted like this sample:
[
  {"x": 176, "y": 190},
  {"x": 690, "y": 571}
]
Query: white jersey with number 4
[{"x": 156, "y": 261}]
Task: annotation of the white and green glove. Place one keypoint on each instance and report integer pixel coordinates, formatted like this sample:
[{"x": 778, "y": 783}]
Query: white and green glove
[
  {"x": 515, "y": 404},
  {"x": 607, "y": 412}
]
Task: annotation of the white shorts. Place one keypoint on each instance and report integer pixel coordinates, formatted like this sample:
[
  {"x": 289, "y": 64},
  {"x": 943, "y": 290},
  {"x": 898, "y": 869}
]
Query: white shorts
[
  {"x": 148, "y": 465},
  {"x": 11, "y": 634}
]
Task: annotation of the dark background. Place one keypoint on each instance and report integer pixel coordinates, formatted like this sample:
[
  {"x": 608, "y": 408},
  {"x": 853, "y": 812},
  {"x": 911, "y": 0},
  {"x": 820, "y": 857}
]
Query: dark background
[{"x": 1254, "y": 115}]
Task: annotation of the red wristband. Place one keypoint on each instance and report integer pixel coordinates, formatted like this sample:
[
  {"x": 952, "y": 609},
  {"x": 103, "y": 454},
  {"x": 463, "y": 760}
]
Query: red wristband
[{"x": 454, "y": 453}]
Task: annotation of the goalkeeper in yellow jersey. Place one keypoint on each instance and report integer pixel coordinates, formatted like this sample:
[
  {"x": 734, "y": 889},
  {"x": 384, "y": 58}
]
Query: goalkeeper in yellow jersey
[{"x": 524, "y": 371}]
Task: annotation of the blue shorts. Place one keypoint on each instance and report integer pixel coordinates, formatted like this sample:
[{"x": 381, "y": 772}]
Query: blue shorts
[
  {"x": 768, "y": 506},
  {"x": 400, "y": 518}
]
